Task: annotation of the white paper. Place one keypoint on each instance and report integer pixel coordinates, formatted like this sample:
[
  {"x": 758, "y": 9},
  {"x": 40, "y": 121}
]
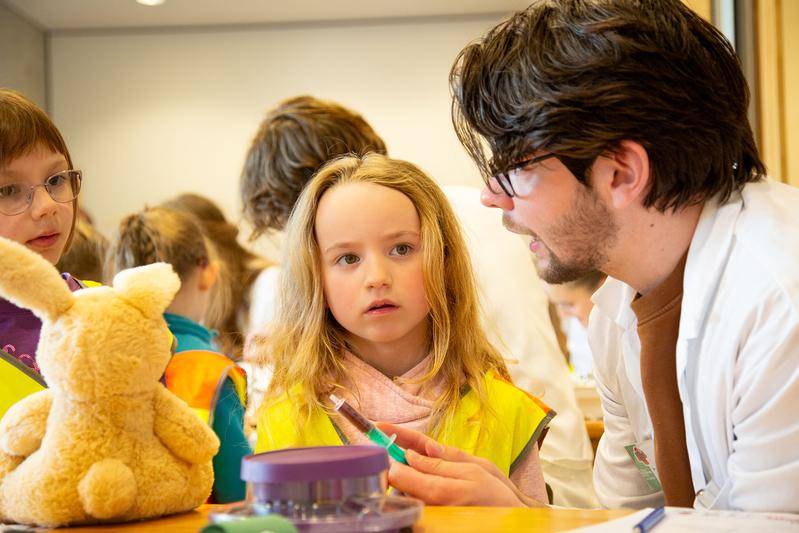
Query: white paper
[{"x": 682, "y": 520}]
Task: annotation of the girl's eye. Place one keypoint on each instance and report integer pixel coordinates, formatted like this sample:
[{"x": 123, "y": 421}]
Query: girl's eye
[
  {"x": 8, "y": 191},
  {"x": 56, "y": 180},
  {"x": 402, "y": 249},
  {"x": 347, "y": 259}
]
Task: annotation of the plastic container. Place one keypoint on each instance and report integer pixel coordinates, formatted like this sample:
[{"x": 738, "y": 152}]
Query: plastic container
[{"x": 323, "y": 489}]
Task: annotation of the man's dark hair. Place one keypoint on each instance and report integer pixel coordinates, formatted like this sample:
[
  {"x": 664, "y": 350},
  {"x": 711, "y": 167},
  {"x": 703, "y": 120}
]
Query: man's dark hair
[
  {"x": 576, "y": 77},
  {"x": 292, "y": 143}
]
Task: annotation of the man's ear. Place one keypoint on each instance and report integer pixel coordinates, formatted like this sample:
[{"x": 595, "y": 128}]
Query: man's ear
[
  {"x": 624, "y": 173},
  {"x": 209, "y": 274}
]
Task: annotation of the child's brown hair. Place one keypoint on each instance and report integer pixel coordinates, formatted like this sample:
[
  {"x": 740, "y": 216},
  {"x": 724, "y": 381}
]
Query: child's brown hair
[
  {"x": 158, "y": 234},
  {"x": 240, "y": 268},
  {"x": 86, "y": 258},
  {"x": 23, "y": 127},
  {"x": 292, "y": 143}
]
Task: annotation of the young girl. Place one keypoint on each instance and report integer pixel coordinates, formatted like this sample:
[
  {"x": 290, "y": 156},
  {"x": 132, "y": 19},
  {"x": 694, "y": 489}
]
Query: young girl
[
  {"x": 38, "y": 204},
  {"x": 241, "y": 270},
  {"x": 207, "y": 380},
  {"x": 378, "y": 306},
  {"x": 245, "y": 303}
]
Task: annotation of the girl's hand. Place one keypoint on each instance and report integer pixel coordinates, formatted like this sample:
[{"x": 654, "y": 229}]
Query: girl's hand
[{"x": 445, "y": 475}]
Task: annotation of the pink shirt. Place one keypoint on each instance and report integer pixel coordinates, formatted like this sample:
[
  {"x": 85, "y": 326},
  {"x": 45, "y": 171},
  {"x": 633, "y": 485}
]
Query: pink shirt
[{"x": 380, "y": 398}]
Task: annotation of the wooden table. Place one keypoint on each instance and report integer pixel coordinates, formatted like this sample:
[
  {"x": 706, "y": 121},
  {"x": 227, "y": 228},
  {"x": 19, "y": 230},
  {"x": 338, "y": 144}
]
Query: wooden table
[
  {"x": 434, "y": 520},
  {"x": 595, "y": 430}
]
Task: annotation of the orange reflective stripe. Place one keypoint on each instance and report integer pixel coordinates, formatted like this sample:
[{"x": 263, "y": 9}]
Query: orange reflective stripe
[
  {"x": 544, "y": 407},
  {"x": 196, "y": 376},
  {"x": 239, "y": 378}
]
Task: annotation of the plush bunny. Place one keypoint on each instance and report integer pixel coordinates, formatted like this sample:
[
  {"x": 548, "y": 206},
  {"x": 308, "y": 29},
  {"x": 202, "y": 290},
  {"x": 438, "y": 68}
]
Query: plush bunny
[{"x": 106, "y": 442}]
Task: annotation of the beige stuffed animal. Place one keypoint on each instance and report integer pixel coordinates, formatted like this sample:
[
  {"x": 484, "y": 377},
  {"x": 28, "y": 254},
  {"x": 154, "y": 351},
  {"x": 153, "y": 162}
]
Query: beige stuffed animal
[{"x": 106, "y": 442}]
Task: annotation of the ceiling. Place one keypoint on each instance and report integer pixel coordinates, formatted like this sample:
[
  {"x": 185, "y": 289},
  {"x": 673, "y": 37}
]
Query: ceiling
[{"x": 59, "y": 15}]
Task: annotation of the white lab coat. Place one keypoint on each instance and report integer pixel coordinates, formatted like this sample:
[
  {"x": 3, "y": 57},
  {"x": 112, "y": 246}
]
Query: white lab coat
[
  {"x": 516, "y": 317},
  {"x": 737, "y": 361}
]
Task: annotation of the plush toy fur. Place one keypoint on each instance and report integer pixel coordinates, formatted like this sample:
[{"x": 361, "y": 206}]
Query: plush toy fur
[{"x": 106, "y": 442}]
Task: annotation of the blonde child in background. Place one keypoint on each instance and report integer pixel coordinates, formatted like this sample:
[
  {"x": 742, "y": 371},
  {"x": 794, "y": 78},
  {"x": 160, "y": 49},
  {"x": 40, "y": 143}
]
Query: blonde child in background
[
  {"x": 39, "y": 189},
  {"x": 378, "y": 305},
  {"x": 241, "y": 268},
  {"x": 207, "y": 380},
  {"x": 232, "y": 313},
  {"x": 572, "y": 301}
]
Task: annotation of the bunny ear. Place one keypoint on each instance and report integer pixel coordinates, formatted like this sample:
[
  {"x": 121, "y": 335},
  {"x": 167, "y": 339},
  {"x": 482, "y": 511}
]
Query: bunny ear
[
  {"x": 149, "y": 288},
  {"x": 30, "y": 281}
]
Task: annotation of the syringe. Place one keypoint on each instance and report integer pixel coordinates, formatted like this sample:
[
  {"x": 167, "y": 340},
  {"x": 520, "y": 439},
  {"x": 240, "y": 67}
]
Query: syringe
[{"x": 369, "y": 429}]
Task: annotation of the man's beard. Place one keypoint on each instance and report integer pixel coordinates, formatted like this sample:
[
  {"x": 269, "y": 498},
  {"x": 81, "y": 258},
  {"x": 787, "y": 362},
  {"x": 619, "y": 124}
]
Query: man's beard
[
  {"x": 559, "y": 271},
  {"x": 585, "y": 233}
]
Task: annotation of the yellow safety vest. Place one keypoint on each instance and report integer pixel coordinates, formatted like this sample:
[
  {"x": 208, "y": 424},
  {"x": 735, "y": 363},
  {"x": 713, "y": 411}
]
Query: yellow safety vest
[
  {"x": 518, "y": 420},
  {"x": 197, "y": 376},
  {"x": 18, "y": 380}
]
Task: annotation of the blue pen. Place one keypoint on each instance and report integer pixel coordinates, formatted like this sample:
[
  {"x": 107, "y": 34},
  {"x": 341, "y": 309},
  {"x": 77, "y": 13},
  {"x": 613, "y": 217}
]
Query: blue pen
[{"x": 650, "y": 521}]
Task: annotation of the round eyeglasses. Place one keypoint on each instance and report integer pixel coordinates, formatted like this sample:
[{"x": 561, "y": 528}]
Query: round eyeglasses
[
  {"x": 503, "y": 177},
  {"x": 62, "y": 187}
]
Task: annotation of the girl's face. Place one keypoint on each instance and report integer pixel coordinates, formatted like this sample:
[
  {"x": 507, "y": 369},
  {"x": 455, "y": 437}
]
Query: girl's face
[
  {"x": 570, "y": 301},
  {"x": 45, "y": 225},
  {"x": 369, "y": 240}
]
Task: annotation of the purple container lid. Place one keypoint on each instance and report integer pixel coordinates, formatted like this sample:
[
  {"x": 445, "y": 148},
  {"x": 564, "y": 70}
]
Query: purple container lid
[{"x": 315, "y": 463}]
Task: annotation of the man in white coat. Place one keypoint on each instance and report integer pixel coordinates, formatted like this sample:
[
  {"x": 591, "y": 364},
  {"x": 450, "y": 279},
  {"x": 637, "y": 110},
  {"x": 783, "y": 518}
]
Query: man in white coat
[
  {"x": 515, "y": 310},
  {"x": 302, "y": 134},
  {"x": 614, "y": 134}
]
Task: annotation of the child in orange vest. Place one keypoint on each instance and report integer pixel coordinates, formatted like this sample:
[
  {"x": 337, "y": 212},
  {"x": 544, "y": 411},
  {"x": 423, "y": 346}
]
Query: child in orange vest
[{"x": 207, "y": 380}]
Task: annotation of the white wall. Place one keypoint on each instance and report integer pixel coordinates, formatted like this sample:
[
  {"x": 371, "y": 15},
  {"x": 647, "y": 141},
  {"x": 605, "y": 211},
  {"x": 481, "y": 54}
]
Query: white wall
[
  {"x": 150, "y": 115},
  {"x": 22, "y": 59}
]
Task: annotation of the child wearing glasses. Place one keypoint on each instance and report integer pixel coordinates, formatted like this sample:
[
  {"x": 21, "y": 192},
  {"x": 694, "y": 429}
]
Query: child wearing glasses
[
  {"x": 205, "y": 379},
  {"x": 378, "y": 305},
  {"x": 39, "y": 189}
]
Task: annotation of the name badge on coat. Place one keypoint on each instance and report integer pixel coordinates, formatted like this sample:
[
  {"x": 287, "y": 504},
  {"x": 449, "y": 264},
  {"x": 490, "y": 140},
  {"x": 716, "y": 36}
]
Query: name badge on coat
[{"x": 642, "y": 455}]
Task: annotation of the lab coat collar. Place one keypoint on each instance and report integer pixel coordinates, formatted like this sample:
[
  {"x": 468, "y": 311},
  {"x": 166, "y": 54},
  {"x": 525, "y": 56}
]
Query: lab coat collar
[
  {"x": 707, "y": 256},
  {"x": 613, "y": 300}
]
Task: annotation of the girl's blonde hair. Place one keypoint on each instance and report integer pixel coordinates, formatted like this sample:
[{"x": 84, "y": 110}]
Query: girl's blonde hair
[
  {"x": 240, "y": 268},
  {"x": 306, "y": 343},
  {"x": 158, "y": 234}
]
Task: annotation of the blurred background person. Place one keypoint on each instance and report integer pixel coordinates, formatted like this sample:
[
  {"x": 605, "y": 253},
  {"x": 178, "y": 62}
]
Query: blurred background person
[
  {"x": 572, "y": 302},
  {"x": 242, "y": 273},
  {"x": 86, "y": 256},
  {"x": 208, "y": 381}
]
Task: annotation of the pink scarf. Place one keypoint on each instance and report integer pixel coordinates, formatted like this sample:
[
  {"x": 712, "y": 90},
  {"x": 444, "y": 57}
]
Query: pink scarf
[{"x": 380, "y": 398}]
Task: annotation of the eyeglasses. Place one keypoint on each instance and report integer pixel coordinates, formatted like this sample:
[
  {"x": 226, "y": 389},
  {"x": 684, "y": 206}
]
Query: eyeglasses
[
  {"x": 62, "y": 187},
  {"x": 503, "y": 177}
]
